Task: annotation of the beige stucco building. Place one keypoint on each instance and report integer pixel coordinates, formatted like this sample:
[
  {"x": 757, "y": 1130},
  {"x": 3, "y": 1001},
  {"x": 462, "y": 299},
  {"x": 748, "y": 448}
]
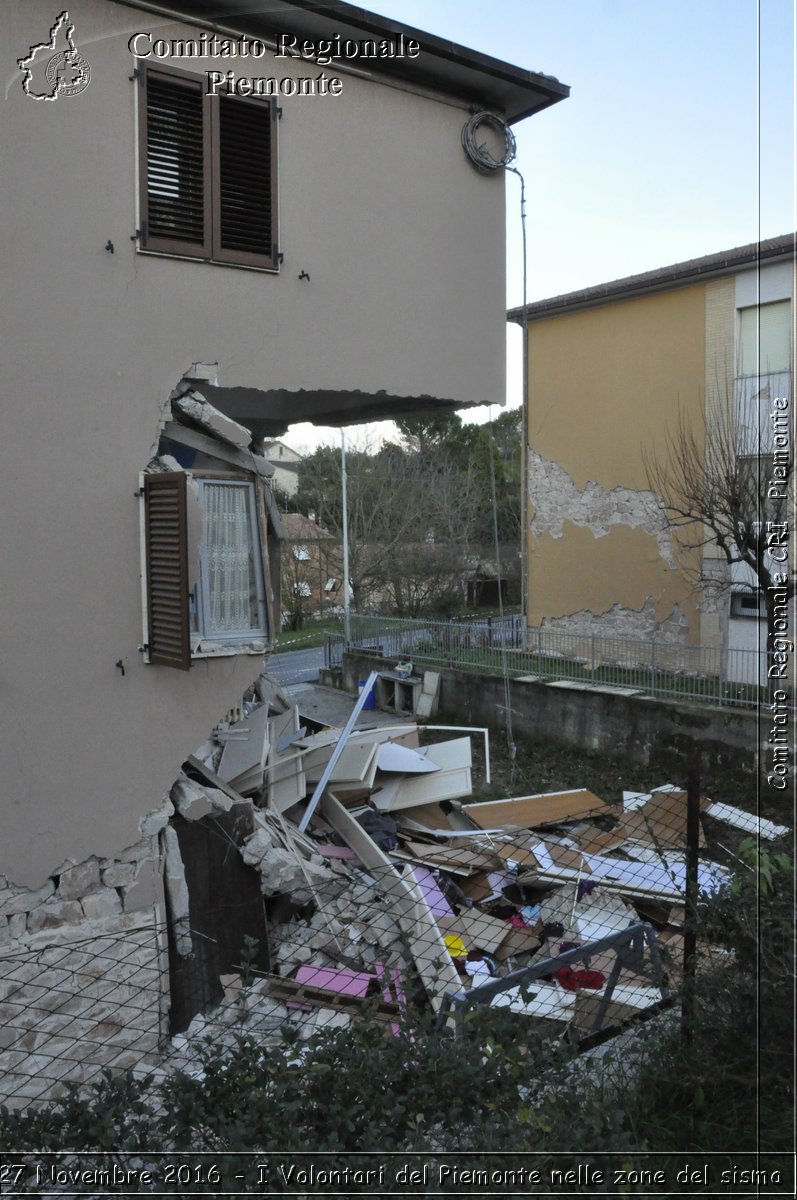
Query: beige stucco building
[
  {"x": 611, "y": 370},
  {"x": 179, "y": 244}
]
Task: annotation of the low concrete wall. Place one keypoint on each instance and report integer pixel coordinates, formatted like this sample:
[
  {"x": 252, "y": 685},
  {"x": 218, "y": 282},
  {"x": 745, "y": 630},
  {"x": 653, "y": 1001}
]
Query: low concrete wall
[{"x": 639, "y": 726}]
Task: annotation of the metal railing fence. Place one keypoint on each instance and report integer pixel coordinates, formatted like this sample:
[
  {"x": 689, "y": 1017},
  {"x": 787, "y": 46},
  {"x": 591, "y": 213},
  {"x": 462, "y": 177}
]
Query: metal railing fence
[{"x": 709, "y": 674}]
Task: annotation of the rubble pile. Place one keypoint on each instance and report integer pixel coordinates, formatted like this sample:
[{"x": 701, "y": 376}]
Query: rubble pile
[{"x": 558, "y": 906}]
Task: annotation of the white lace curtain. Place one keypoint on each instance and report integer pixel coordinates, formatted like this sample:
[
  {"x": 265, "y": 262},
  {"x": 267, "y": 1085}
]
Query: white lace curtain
[{"x": 232, "y": 599}]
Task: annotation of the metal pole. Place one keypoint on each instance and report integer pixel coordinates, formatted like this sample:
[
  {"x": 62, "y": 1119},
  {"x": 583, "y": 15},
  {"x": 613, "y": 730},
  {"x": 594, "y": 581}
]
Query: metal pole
[
  {"x": 690, "y": 898},
  {"x": 340, "y": 746},
  {"x": 346, "y": 613}
]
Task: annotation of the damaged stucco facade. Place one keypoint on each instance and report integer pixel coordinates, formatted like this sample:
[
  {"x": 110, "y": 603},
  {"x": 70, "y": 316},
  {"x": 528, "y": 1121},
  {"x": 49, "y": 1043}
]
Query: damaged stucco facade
[
  {"x": 612, "y": 371},
  {"x": 103, "y": 340},
  {"x": 600, "y": 555},
  {"x": 380, "y": 269}
]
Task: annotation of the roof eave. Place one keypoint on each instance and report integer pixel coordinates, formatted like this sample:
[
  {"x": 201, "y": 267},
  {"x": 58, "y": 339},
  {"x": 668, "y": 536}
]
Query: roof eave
[
  {"x": 697, "y": 270},
  {"x": 442, "y": 65}
]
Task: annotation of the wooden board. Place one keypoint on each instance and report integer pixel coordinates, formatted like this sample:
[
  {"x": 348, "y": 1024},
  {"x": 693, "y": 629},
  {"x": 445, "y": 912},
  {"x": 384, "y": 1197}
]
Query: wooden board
[
  {"x": 451, "y": 856},
  {"x": 525, "y": 812},
  {"x": 478, "y": 930},
  {"x": 519, "y": 941},
  {"x": 661, "y": 820}
]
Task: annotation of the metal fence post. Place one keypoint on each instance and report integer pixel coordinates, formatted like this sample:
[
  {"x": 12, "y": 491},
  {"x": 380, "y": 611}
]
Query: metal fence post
[
  {"x": 653, "y": 668},
  {"x": 690, "y": 897}
]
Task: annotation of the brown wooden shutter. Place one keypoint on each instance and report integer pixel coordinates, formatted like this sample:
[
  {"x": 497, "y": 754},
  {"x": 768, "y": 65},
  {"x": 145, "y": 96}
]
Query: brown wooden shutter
[
  {"x": 175, "y": 164},
  {"x": 167, "y": 569},
  {"x": 244, "y": 149}
]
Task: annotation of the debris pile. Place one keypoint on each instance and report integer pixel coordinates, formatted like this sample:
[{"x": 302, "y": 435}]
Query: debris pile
[{"x": 384, "y": 887}]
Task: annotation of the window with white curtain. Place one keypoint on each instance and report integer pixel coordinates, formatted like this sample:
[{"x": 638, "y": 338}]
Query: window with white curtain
[{"x": 231, "y": 601}]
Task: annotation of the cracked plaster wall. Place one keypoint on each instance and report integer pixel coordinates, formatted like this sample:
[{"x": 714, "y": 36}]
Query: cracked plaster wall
[
  {"x": 100, "y": 340},
  {"x": 619, "y": 622},
  {"x": 554, "y": 498},
  {"x": 604, "y": 384}
]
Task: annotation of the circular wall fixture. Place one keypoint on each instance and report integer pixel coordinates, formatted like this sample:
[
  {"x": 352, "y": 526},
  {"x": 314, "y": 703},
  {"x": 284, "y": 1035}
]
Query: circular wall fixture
[{"x": 488, "y": 142}]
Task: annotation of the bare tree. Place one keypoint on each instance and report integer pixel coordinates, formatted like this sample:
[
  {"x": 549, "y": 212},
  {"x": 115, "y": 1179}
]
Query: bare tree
[{"x": 729, "y": 484}]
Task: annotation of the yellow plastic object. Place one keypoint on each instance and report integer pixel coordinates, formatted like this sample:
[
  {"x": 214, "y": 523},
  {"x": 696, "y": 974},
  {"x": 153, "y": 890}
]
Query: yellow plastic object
[{"x": 455, "y": 946}]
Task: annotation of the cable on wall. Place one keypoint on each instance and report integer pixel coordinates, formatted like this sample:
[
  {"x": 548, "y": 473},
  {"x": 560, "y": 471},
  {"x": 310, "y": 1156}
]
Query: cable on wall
[
  {"x": 478, "y": 152},
  {"x": 486, "y": 162}
]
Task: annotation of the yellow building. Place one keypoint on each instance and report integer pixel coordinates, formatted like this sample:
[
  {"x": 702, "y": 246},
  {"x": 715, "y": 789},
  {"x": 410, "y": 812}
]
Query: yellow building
[{"x": 612, "y": 371}]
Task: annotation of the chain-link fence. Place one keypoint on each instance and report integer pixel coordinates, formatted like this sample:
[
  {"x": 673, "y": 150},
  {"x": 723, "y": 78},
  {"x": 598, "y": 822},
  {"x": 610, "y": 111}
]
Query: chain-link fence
[
  {"x": 710, "y": 674},
  {"x": 401, "y": 899}
]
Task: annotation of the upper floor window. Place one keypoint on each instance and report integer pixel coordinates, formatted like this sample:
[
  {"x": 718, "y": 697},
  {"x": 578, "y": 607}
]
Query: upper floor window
[
  {"x": 208, "y": 171},
  {"x": 764, "y": 338}
]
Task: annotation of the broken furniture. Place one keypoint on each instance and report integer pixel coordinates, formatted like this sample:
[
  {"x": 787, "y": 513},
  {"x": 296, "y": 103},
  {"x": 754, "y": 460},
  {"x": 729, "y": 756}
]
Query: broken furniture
[
  {"x": 408, "y": 695},
  {"x": 559, "y": 907}
]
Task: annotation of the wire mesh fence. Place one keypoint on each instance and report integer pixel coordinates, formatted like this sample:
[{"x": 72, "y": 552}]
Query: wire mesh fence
[
  {"x": 420, "y": 970},
  {"x": 75, "y": 1006},
  {"x": 710, "y": 674},
  {"x": 400, "y": 904}
]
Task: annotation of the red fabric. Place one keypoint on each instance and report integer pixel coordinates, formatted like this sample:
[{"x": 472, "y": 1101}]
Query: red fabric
[{"x": 573, "y": 980}]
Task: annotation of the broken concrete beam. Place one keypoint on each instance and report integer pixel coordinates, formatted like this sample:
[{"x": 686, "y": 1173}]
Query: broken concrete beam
[
  {"x": 281, "y": 871},
  {"x": 17, "y": 924},
  {"x": 197, "y": 409},
  {"x": 190, "y": 800}
]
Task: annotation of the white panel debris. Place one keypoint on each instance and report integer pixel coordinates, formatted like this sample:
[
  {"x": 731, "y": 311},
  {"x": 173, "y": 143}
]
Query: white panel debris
[{"x": 748, "y": 822}]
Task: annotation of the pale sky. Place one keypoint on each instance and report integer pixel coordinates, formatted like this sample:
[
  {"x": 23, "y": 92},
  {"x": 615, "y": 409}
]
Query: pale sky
[{"x": 678, "y": 138}]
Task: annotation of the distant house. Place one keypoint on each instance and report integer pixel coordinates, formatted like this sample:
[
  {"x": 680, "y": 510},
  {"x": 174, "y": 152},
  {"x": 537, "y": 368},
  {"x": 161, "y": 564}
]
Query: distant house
[
  {"x": 190, "y": 268},
  {"x": 312, "y": 570},
  {"x": 610, "y": 369},
  {"x": 285, "y": 462}
]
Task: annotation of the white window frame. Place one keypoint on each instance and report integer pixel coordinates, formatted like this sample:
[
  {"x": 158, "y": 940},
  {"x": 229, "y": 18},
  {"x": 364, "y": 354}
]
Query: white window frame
[{"x": 201, "y": 593}]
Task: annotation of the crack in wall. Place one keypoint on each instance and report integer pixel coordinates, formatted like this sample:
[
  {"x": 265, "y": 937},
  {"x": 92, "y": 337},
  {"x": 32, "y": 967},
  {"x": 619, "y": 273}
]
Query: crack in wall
[{"x": 555, "y": 499}]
